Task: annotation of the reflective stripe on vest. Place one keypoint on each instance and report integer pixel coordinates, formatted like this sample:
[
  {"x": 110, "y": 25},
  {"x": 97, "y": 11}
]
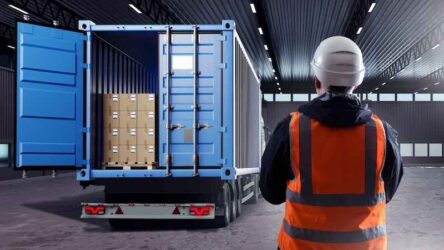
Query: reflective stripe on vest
[{"x": 323, "y": 195}]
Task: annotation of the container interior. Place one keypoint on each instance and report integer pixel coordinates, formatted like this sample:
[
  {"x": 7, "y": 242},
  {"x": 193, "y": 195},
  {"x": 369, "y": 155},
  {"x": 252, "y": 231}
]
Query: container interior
[{"x": 122, "y": 63}]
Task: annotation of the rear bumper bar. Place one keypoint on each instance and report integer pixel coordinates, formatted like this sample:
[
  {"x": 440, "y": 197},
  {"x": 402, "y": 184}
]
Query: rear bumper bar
[{"x": 148, "y": 211}]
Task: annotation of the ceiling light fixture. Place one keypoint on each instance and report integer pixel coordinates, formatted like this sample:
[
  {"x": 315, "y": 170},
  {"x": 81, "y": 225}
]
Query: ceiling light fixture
[
  {"x": 416, "y": 92},
  {"x": 266, "y": 47},
  {"x": 279, "y": 89},
  {"x": 392, "y": 77},
  {"x": 277, "y": 83},
  {"x": 135, "y": 8},
  {"x": 371, "y": 7},
  {"x": 376, "y": 89},
  {"x": 384, "y": 83},
  {"x": 419, "y": 58},
  {"x": 436, "y": 83},
  {"x": 253, "y": 8},
  {"x": 269, "y": 59},
  {"x": 274, "y": 70},
  {"x": 18, "y": 9},
  {"x": 436, "y": 46},
  {"x": 10, "y": 46},
  {"x": 260, "y": 31},
  {"x": 275, "y": 78},
  {"x": 425, "y": 88},
  {"x": 359, "y": 30}
]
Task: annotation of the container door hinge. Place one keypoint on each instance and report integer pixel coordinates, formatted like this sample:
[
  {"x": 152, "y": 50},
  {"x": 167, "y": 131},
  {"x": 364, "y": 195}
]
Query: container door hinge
[
  {"x": 223, "y": 38},
  {"x": 87, "y": 65},
  {"x": 222, "y": 66},
  {"x": 223, "y": 129},
  {"x": 223, "y": 161},
  {"x": 86, "y": 162},
  {"x": 86, "y": 130}
]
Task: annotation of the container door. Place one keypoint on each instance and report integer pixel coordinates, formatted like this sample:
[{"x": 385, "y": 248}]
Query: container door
[
  {"x": 49, "y": 97},
  {"x": 209, "y": 82}
]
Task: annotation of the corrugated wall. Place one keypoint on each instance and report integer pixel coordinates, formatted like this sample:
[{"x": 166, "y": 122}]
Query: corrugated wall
[
  {"x": 7, "y": 105},
  {"x": 416, "y": 122}
]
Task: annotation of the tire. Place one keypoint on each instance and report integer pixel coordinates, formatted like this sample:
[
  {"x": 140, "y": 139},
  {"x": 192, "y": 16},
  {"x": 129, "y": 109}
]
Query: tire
[
  {"x": 238, "y": 198},
  {"x": 224, "y": 220}
]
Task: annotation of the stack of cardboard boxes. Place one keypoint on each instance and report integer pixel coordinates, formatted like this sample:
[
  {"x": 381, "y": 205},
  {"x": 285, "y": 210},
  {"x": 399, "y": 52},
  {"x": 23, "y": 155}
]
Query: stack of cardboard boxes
[{"x": 130, "y": 125}]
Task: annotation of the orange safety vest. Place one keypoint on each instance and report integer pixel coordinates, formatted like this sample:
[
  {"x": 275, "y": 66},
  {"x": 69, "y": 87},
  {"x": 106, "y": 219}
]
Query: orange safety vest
[{"x": 337, "y": 199}]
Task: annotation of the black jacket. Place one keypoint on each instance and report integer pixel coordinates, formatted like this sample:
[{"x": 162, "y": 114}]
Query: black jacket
[{"x": 333, "y": 111}]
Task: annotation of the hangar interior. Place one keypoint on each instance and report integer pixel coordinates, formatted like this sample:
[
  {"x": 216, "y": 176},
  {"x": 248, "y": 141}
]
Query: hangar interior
[{"x": 402, "y": 42}]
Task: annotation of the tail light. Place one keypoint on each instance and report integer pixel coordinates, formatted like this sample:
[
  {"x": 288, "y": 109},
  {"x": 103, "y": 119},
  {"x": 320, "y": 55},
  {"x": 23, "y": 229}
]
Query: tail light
[
  {"x": 200, "y": 211},
  {"x": 95, "y": 210}
]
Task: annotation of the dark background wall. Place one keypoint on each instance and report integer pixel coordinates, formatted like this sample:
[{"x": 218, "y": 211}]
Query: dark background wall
[{"x": 416, "y": 122}]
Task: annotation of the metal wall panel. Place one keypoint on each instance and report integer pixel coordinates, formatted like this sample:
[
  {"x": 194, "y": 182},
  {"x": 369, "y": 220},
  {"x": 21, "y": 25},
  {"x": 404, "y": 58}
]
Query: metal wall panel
[
  {"x": 416, "y": 122},
  {"x": 247, "y": 112},
  {"x": 7, "y": 105}
]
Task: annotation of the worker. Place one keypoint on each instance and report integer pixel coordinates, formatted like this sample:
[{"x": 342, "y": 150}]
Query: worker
[{"x": 334, "y": 162}]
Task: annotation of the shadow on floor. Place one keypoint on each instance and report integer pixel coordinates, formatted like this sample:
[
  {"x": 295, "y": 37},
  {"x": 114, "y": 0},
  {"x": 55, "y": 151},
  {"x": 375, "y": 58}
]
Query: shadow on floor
[{"x": 69, "y": 207}]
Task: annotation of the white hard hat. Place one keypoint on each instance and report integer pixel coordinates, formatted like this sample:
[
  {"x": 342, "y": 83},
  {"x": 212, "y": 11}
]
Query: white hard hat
[{"x": 338, "y": 62}]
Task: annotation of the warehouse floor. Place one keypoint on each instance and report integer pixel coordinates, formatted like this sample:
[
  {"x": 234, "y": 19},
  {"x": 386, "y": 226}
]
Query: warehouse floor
[{"x": 44, "y": 213}]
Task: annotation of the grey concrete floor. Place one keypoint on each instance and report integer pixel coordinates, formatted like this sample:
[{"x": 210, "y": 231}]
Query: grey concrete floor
[{"x": 43, "y": 213}]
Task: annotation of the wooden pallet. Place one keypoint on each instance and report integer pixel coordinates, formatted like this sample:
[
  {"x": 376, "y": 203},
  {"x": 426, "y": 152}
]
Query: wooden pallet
[{"x": 128, "y": 166}]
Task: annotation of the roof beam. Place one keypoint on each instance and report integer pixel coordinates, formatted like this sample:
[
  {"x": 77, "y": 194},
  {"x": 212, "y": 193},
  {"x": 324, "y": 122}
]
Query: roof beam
[
  {"x": 266, "y": 35},
  {"x": 358, "y": 17},
  {"x": 50, "y": 11},
  {"x": 7, "y": 32},
  {"x": 428, "y": 42},
  {"x": 157, "y": 11}
]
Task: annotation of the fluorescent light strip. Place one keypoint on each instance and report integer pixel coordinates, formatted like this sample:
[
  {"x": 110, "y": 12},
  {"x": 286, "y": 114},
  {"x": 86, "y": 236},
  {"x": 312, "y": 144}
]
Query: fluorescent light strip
[
  {"x": 383, "y": 83},
  {"x": 277, "y": 83},
  {"x": 436, "y": 83},
  {"x": 371, "y": 7},
  {"x": 10, "y": 46},
  {"x": 376, "y": 89},
  {"x": 253, "y": 8},
  {"x": 359, "y": 30},
  {"x": 18, "y": 9},
  {"x": 274, "y": 70},
  {"x": 436, "y": 46},
  {"x": 425, "y": 88},
  {"x": 392, "y": 77},
  {"x": 419, "y": 58},
  {"x": 135, "y": 8},
  {"x": 260, "y": 31},
  {"x": 279, "y": 88},
  {"x": 275, "y": 77},
  {"x": 266, "y": 47},
  {"x": 269, "y": 59}
]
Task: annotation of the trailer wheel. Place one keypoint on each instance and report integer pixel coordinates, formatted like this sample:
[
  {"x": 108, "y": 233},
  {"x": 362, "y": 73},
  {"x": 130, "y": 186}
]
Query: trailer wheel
[{"x": 224, "y": 220}]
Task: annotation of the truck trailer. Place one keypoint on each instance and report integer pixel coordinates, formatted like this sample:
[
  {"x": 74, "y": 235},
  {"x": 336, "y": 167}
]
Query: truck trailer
[{"x": 207, "y": 116}]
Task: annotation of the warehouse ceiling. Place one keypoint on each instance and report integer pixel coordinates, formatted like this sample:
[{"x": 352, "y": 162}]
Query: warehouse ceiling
[{"x": 295, "y": 28}]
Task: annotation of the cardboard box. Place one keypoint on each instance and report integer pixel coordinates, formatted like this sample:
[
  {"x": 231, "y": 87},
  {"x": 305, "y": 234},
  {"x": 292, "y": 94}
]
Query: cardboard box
[
  {"x": 111, "y": 102},
  {"x": 111, "y": 153},
  {"x": 128, "y": 119},
  {"x": 111, "y": 119},
  {"x": 128, "y": 153},
  {"x": 111, "y": 136},
  {"x": 128, "y": 102},
  {"x": 146, "y": 136},
  {"x": 128, "y": 136},
  {"x": 146, "y": 119},
  {"x": 145, "y": 154},
  {"x": 146, "y": 102}
]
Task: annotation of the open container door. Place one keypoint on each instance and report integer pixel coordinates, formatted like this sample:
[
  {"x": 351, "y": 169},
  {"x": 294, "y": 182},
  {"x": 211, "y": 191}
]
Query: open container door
[{"x": 49, "y": 98}]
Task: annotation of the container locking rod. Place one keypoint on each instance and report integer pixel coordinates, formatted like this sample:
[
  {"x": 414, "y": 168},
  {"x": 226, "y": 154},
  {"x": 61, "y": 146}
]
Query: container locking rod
[{"x": 195, "y": 74}]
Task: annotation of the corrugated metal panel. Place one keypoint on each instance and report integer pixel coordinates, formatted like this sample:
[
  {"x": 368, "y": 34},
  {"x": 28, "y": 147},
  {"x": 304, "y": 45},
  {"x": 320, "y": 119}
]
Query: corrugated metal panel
[
  {"x": 416, "y": 122},
  {"x": 247, "y": 113},
  {"x": 7, "y": 104}
]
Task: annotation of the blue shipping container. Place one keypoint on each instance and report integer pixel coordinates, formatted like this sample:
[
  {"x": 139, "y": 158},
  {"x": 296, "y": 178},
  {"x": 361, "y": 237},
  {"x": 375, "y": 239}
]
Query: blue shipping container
[{"x": 208, "y": 97}]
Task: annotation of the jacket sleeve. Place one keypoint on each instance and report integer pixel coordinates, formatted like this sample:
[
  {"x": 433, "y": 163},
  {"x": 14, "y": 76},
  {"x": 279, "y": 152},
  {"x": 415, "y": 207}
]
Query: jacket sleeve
[
  {"x": 275, "y": 165},
  {"x": 393, "y": 170}
]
